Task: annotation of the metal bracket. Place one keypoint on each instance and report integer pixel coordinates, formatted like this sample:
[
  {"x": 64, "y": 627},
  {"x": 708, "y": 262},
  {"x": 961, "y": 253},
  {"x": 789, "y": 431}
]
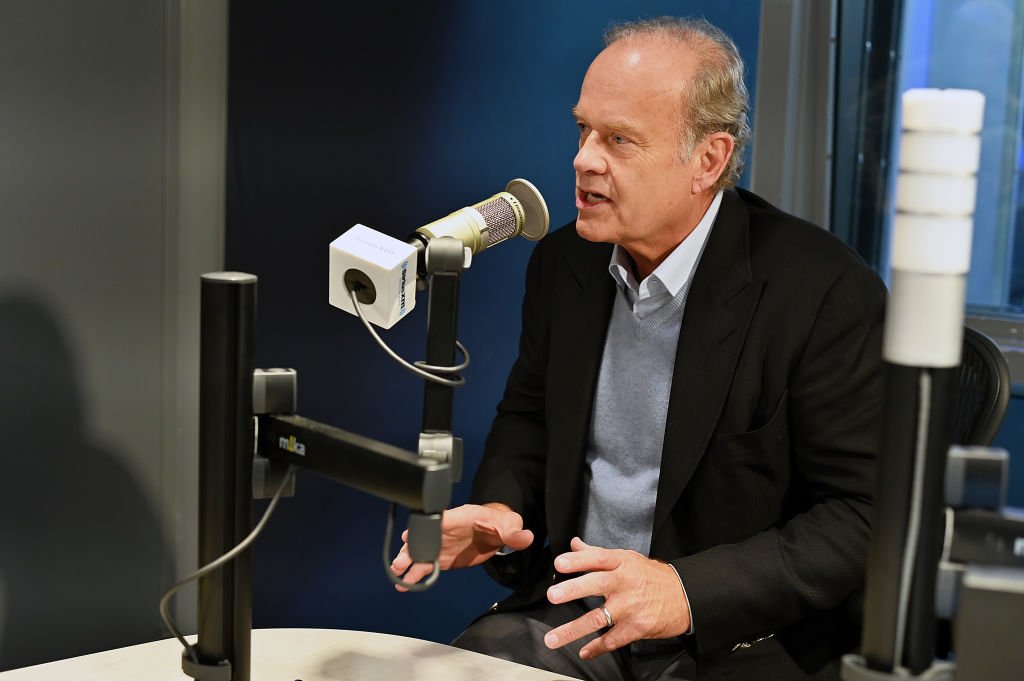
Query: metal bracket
[
  {"x": 274, "y": 391},
  {"x": 447, "y": 254},
  {"x": 267, "y": 476},
  {"x": 442, "y": 447},
  {"x": 424, "y": 536}
]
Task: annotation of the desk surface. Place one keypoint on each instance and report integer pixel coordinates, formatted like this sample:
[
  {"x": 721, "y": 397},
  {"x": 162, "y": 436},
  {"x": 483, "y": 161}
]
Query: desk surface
[{"x": 296, "y": 654}]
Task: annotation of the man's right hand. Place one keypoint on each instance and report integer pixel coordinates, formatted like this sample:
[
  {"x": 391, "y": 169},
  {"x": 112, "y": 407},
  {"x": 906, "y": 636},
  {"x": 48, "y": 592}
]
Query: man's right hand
[{"x": 470, "y": 534}]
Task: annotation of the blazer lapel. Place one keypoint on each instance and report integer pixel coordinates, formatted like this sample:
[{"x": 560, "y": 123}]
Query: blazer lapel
[
  {"x": 719, "y": 307},
  {"x": 584, "y": 294}
]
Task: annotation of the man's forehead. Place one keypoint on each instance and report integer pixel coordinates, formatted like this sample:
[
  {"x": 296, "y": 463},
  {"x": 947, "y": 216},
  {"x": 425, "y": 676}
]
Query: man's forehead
[
  {"x": 640, "y": 65},
  {"x": 614, "y": 94},
  {"x": 639, "y": 50}
]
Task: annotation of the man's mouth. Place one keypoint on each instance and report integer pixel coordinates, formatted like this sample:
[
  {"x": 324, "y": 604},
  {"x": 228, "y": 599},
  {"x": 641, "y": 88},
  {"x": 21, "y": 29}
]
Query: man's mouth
[{"x": 592, "y": 197}]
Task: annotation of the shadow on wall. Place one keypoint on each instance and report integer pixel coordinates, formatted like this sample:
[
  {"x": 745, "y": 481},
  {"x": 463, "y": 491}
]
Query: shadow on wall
[{"x": 81, "y": 548}]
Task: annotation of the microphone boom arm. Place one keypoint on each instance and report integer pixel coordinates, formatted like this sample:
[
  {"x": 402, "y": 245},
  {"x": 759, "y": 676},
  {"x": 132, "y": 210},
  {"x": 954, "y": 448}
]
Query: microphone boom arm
[{"x": 371, "y": 466}]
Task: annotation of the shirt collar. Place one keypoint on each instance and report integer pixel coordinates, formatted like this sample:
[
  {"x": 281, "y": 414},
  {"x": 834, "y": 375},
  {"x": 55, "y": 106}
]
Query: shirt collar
[{"x": 674, "y": 271}]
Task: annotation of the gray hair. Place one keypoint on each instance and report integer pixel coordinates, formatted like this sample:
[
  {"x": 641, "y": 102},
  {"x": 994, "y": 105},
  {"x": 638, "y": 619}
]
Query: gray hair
[{"x": 716, "y": 100}]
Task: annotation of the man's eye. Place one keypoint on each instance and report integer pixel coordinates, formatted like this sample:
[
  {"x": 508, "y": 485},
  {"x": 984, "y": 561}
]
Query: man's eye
[
  {"x": 620, "y": 139},
  {"x": 584, "y": 129}
]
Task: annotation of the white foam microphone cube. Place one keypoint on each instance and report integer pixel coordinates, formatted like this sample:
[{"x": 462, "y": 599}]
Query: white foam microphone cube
[{"x": 384, "y": 267}]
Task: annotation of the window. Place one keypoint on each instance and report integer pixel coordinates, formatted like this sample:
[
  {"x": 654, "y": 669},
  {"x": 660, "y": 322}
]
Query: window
[
  {"x": 979, "y": 45},
  {"x": 886, "y": 47}
]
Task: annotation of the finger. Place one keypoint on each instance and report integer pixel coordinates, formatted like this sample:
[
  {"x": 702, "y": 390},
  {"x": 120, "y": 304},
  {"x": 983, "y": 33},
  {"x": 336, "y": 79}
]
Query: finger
[
  {"x": 487, "y": 536},
  {"x": 590, "y": 558},
  {"x": 416, "y": 573},
  {"x": 502, "y": 523},
  {"x": 590, "y": 584},
  {"x": 578, "y": 544},
  {"x": 586, "y": 625},
  {"x": 518, "y": 540},
  {"x": 511, "y": 535},
  {"x": 487, "y": 526},
  {"x": 402, "y": 561},
  {"x": 613, "y": 639}
]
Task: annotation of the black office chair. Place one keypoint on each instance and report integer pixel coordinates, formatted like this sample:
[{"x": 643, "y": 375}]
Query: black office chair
[{"x": 982, "y": 391}]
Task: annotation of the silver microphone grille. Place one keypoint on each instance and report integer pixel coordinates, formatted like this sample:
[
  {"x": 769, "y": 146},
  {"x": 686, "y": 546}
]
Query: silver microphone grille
[
  {"x": 502, "y": 218},
  {"x": 520, "y": 209}
]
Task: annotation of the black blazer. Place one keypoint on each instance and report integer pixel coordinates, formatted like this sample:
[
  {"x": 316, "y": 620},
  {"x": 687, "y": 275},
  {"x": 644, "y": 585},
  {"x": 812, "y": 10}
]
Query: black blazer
[{"x": 773, "y": 424}]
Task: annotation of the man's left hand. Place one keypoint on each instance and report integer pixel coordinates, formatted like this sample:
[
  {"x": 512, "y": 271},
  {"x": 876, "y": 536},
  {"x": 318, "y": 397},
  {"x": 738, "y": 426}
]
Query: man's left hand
[{"x": 643, "y": 597}]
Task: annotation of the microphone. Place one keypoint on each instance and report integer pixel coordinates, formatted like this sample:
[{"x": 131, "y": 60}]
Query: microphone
[
  {"x": 383, "y": 269},
  {"x": 519, "y": 210}
]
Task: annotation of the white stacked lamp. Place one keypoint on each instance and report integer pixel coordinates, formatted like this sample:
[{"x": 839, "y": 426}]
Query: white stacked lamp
[
  {"x": 931, "y": 245},
  {"x": 922, "y": 347}
]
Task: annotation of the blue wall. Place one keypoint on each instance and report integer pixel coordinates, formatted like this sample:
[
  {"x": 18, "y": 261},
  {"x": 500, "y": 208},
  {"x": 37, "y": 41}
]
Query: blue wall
[{"x": 393, "y": 117}]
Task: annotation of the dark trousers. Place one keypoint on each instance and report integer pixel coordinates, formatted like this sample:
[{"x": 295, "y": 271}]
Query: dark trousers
[{"x": 519, "y": 637}]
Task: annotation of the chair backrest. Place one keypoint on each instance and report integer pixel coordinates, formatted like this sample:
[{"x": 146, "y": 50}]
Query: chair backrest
[{"x": 982, "y": 390}]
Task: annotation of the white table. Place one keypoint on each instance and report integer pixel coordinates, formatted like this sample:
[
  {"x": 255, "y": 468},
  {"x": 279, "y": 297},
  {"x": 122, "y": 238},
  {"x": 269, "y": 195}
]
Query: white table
[{"x": 293, "y": 654}]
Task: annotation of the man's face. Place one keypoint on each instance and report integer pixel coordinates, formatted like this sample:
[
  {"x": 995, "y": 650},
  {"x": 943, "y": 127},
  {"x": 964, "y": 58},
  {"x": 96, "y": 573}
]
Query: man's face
[{"x": 632, "y": 187}]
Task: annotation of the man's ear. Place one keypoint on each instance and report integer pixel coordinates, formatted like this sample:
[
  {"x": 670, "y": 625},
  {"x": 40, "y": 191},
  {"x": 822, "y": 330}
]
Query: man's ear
[{"x": 711, "y": 157}]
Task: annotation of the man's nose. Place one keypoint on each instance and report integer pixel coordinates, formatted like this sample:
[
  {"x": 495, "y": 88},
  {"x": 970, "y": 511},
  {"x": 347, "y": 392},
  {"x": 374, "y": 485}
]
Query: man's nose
[{"x": 589, "y": 159}]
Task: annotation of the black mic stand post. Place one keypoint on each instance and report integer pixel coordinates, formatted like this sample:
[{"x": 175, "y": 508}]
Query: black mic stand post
[
  {"x": 899, "y": 619},
  {"x": 444, "y": 260},
  {"x": 226, "y": 361},
  {"x": 422, "y": 481}
]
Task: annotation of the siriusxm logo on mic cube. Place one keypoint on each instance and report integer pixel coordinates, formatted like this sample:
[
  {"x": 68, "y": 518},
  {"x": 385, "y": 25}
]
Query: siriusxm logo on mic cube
[{"x": 384, "y": 267}]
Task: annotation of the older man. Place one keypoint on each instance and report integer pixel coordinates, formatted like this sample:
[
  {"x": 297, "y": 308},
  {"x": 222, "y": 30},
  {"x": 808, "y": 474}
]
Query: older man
[{"x": 681, "y": 469}]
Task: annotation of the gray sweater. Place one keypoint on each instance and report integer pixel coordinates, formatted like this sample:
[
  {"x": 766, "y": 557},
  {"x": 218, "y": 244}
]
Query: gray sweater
[{"x": 627, "y": 431}]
